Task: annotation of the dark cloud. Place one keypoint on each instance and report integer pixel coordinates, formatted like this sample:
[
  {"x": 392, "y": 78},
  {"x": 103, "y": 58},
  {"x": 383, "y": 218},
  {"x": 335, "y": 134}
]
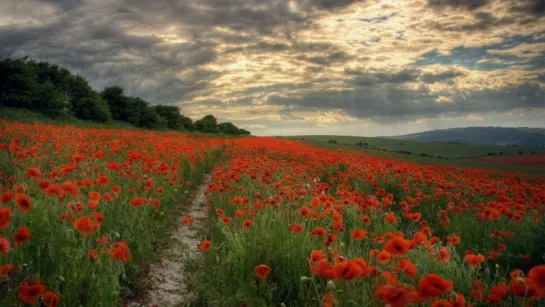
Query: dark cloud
[
  {"x": 369, "y": 78},
  {"x": 439, "y": 77},
  {"x": 123, "y": 42},
  {"x": 379, "y": 103},
  {"x": 273, "y": 18},
  {"x": 536, "y": 7},
  {"x": 486, "y": 19},
  {"x": 331, "y": 4},
  {"x": 467, "y": 4},
  {"x": 64, "y": 4},
  {"x": 333, "y": 58}
]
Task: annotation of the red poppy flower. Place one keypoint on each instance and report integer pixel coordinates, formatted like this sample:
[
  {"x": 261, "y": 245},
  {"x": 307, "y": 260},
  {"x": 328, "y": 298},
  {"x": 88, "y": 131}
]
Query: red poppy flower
[
  {"x": 537, "y": 275},
  {"x": 433, "y": 285},
  {"x": 5, "y": 217},
  {"x": 383, "y": 257},
  {"x": 30, "y": 294},
  {"x": 407, "y": 267},
  {"x": 296, "y": 228},
  {"x": 138, "y": 201},
  {"x": 4, "y": 246},
  {"x": 262, "y": 271},
  {"x": 323, "y": 269},
  {"x": 359, "y": 234},
  {"x": 396, "y": 246},
  {"x": 316, "y": 255},
  {"x": 8, "y": 269},
  {"x": 84, "y": 226},
  {"x": 6, "y": 197},
  {"x": 21, "y": 235},
  {"x": 23, "y": 202},
  {"x": 318, "y": 232},
  {"x": 247, "y": 223},
  {"x": 33, "y": 172},
  {"x": 204, "y": 246},
  {"x": 51, "y": 299}
]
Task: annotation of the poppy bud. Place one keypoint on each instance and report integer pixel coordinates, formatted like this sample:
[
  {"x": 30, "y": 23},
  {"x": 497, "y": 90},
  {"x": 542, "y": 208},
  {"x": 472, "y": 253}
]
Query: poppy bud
[
  {"x": 331, "y": 285},
  {"x": 487, "y": 274},
  {"x": 304, "y": 279}
]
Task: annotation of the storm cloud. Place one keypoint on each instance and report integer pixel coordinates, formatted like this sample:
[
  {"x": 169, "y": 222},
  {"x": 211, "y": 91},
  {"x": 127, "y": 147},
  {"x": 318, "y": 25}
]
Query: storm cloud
[{"x": 272, "y": 64}]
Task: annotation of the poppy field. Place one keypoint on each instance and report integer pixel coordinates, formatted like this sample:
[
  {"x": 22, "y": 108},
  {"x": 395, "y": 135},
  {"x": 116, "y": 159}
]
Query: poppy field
[
  {"x": 293, "y": 225},
  {"x": 84, "y": 211}
]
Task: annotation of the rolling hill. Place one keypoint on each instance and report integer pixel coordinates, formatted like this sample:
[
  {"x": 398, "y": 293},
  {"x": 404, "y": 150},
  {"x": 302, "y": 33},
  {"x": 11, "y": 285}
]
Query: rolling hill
[{"x": 524, "y": 137}]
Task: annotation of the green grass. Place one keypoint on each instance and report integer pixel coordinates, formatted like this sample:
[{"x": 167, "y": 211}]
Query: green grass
[
  {"x": 444, "y": 150},
  {"x": 29, "y": 116},
  {"x": 416, "y": 158}
]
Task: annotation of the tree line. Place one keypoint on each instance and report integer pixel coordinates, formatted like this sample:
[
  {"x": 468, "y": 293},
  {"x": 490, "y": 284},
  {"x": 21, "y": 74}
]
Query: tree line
[{"x": 54, "y": 91}]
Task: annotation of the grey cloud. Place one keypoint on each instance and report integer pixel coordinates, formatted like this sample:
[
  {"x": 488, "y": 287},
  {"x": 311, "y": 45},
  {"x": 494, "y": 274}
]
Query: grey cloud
[
  {"x": 442, "y": 76},
  {"x": 104, "y": 43},
  {"x": 377, "y": 103},
  {"x": 368, "y": 78},
  {"x": 536, "y": 7},
  {"x": 467, "y": 4},
  {"x": 541, "y": 78},
  {"x": 331, "y": 4},
  {"x": 264, "y": 17},
  {"x": 333, "y": 58}
]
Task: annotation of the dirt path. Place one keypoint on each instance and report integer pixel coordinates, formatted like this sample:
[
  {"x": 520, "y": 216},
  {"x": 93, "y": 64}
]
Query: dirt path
[{"x": 168, "y": 285}]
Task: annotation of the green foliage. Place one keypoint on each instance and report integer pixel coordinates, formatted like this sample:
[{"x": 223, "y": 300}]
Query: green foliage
[
  {"x": 17, "y": 84},
  {"x": 175, "y": 120},
  {"x": 231, "y": 129},
  {"x": 208, "y": 124},
  {"x": 151, "y": 120},
  {"x": 92, "y": 108},
  {"x": 50, "y": 101},
  {"x": 120, "y": 105},
  {"x": 54, "y": 91}
]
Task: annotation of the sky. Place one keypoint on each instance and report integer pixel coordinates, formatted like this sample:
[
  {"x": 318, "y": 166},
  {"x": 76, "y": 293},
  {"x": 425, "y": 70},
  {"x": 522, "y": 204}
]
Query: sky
[{"x": 278, "y": 67}]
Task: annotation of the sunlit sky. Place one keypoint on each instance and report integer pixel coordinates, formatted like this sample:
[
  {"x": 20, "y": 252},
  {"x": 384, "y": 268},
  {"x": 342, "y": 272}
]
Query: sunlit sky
[{"x": 276, "y": 67}]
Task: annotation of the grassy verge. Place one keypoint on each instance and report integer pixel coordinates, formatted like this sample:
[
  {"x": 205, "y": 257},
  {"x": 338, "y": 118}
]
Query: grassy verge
[{"x": 29, "y": 116}]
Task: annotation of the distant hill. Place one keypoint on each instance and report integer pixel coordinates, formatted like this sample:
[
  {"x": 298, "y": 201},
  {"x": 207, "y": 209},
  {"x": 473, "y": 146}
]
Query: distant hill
[{"x": 524, "y": 137}]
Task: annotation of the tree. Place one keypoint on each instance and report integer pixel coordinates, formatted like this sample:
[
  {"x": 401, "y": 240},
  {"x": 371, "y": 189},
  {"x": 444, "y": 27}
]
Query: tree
[
  {"x": 151, "y": 120},
  {"x": 18, "y": 84},
  {"x": 92, "y": 108},
  {"x": 243, "y": 132},
  {"x": 228, "y": 128},
  {"x": 119, "y": 104},
  {"x": 50, "y": 101},
  {"x": 187, "y": 123},
  {"x": 172, "y": 115},
  {"x": 53, "y": 90},
  {"x": 208, "y": 124},
  {"x": 136, "y": 109}
]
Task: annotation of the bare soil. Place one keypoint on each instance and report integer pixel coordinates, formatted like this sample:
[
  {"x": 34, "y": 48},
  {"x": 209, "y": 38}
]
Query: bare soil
[{"x": 168, "y": 285}]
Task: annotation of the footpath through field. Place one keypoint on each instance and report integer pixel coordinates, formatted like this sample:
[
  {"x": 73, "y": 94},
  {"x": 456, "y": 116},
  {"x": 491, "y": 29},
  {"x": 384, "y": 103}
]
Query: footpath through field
[{"x": 168, "y": 284}]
